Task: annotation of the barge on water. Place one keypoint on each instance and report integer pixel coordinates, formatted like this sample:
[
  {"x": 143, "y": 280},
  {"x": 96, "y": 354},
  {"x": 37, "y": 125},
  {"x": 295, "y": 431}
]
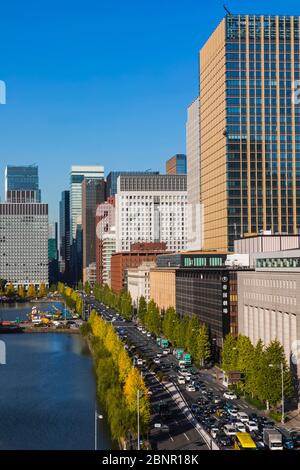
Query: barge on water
[{"x": 10, "y": 327}]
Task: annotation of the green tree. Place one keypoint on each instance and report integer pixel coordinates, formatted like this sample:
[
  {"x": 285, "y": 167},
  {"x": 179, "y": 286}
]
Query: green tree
[
  {"x": 203, "y": 345},
  {"x": 192, "y": 334},
  {"x": 269, "y": 380},
  {"x": 87, "y": 288},
  {"x": 254, "y": 370},
  {"x": 152, "y": 320},
  {"x": 229, "y": 354},
  {"x": 168, "y": 324},
  {"x": 142, "y": 310}
]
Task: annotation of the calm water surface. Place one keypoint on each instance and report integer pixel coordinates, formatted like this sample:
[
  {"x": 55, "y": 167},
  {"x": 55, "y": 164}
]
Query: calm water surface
[{"x": 47, "y": 391}]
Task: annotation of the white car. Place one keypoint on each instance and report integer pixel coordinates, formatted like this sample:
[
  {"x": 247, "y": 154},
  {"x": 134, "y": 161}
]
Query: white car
[
  {"x": 148, "y": 335},
  {"x": 166, "y": 351},
  {"x": 243, "y": 417},
  {"x": 214, "y": 432},
  {"x": 233, "y": 412},
  {"x": 158, "y": 355},
  {"x": 181, "y": 380},
  {"x": 230, "y": 395},
  {"x": 252, "y": 426},
  {"x": 229, "y": 430},
  {"x": 156, "y": 360},
  {"x": 139, "y": 362},
  {"x": 240, "y": 427},
  {"x": 144, "y": 332},
  {"x": 157, "y": 425},
  {"x": 190, "y": 388}
]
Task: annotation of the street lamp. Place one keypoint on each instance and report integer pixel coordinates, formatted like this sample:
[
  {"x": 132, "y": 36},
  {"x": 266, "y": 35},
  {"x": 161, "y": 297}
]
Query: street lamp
[
  {"x": 138, "y": 396},
  {"x": 97, "y": 416},
  {"x": 281, "y": 365}
]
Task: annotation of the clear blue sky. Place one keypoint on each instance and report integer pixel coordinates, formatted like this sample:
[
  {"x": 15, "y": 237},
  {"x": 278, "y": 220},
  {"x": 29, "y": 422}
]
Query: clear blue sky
[{"x": 103, "y": 82}]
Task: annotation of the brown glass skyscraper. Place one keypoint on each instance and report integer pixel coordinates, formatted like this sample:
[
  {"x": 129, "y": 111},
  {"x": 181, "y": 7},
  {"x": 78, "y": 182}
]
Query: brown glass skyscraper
[{"x": 250, "y": 128}]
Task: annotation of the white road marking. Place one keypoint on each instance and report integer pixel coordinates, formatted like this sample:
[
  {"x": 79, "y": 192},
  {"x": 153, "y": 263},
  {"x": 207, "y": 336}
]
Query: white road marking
[
  {"x": 186, "y": 436},
  {"x": 171, "y": 438}
]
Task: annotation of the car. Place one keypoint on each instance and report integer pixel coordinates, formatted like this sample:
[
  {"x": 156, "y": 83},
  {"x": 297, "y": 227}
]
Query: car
[
  {"x": 158, "y": 355},
  {"x": 194, "y": 407},
  {"x": 156, "y": 360},
  {"x": 288, "y": 443},
  {"x": 157, "y": 425},
  {"x": 181, "y": 380},
  {"x": 214, "y": 431},
  {"x": 252, "y": 426},
  {"x": 240, "y": 427},
  {"x": 233, "y": 412},
  {"x": 148, "y": 335},
  {"x": 229, "y": 430},
  {"x": 217, "y": 400},
  {"x": 144, "y": 332},
  {"x": 166, "y": 351},
  {"x": 190, "y": 388},
  {"x": 243, "y": 417},
  {"x": 230, "y": 395},
  {"x": 139, "y": 362}
]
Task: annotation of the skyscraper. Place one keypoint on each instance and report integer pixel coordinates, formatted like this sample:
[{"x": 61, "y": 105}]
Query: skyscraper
[
  {"x": 250, "y": 128},
  {"x": 78, "y": 173},
  {"x": 194, "y": 214},
  {"x": 22, "y": 178},
  {"x": 176, "y": 165},
  {"x": 93, "y": 194},
  {"x": 64, "y": 233}
]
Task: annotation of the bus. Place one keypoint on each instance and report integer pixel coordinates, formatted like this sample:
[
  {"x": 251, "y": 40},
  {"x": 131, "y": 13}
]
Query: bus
[{"x": 243, "y": 441}]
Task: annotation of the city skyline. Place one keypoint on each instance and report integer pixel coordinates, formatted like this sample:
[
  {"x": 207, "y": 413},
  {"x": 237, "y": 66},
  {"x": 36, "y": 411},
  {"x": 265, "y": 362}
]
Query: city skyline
[{"x": 66, "y": 111}]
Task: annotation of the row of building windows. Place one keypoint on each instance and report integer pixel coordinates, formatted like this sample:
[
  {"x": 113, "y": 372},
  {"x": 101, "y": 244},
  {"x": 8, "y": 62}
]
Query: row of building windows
[
  {"x": 270, "y": 283},
  {"x": 279, "y": 299}
]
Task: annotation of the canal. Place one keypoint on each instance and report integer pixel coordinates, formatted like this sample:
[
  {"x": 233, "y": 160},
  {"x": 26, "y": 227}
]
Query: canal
[{"x": 47, "y": 391}]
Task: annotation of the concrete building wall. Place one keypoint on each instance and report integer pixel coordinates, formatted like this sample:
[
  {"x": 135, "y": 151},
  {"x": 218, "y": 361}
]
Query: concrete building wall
[
  {"x": 269, "y": 307},
  {"x": 163, "y": 287}
]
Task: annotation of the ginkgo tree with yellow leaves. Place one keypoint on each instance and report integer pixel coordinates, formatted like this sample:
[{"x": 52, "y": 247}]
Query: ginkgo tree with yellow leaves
[{"x": 118, "y": 382}]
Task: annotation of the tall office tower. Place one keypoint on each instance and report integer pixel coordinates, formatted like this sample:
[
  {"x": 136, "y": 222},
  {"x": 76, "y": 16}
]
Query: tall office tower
[
  {"x": 194, "y": 212},
  {"x": 78, "y": 173},
  {"x": 22, "y": 178},
  {"x": 112, "y": 179},
  {"x": 93, "y": 194},
  {"x": 176, "y": 165},
  {"x": 151, "y": 208},
  {"x": 105, "y": 239},
  {"x": 24, "y": 243},
  {"x": 250, "y": 126},
  {"x": 53, "y": 252},
  {"x": 64, "y": 234}
]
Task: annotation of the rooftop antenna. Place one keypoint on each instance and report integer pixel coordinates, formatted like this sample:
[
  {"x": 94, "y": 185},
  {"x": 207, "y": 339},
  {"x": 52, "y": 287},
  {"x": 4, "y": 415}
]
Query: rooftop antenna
[{"x": 226, "y": 9}]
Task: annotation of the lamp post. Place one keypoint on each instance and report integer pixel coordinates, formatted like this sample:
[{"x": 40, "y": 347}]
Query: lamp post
[
  {"x": 281, "y": 365},
  {"x": 97, "y": 416}
]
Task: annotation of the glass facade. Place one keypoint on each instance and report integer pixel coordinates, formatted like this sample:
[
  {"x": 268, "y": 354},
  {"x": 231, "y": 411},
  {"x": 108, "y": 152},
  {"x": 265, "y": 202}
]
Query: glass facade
[
  {"x": 278, "y": 263},
  {"x": 24, "y": 178},
  {"x": 262, "y": 124}
]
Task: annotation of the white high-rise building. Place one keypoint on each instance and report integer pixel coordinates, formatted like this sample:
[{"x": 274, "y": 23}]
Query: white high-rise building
[
  {"x": 78, "y": 174},
  {"x": 24, "y": 243},
  {"x": 194, "y": 213},
  {"x": 108, "y": 249},
  {"x": 151, "y": 208}
]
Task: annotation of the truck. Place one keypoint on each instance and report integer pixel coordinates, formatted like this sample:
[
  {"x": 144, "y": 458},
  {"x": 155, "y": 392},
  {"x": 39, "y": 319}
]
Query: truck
[
  {"x": 273, "y": 439},
  {"x": 164, "y": 343},
  {"x": 178, "y": 352},
  {"x": 187, "y": 359}
]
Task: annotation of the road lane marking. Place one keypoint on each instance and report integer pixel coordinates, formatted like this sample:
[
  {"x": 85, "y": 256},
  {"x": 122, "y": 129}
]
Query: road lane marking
[{"x": 186, "y": 436}]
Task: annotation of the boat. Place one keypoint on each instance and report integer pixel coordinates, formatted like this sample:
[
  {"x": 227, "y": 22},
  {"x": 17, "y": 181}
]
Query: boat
[{"x": 10, "y": 327}]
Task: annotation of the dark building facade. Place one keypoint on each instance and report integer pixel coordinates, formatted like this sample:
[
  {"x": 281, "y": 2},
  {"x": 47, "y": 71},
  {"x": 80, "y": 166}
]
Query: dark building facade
[
  {"x": 93, "y": 194},
  {"x": 64, "y": 234},
  {"x": 112, "y": 179},
  {"x": 211, "y": 294}
]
